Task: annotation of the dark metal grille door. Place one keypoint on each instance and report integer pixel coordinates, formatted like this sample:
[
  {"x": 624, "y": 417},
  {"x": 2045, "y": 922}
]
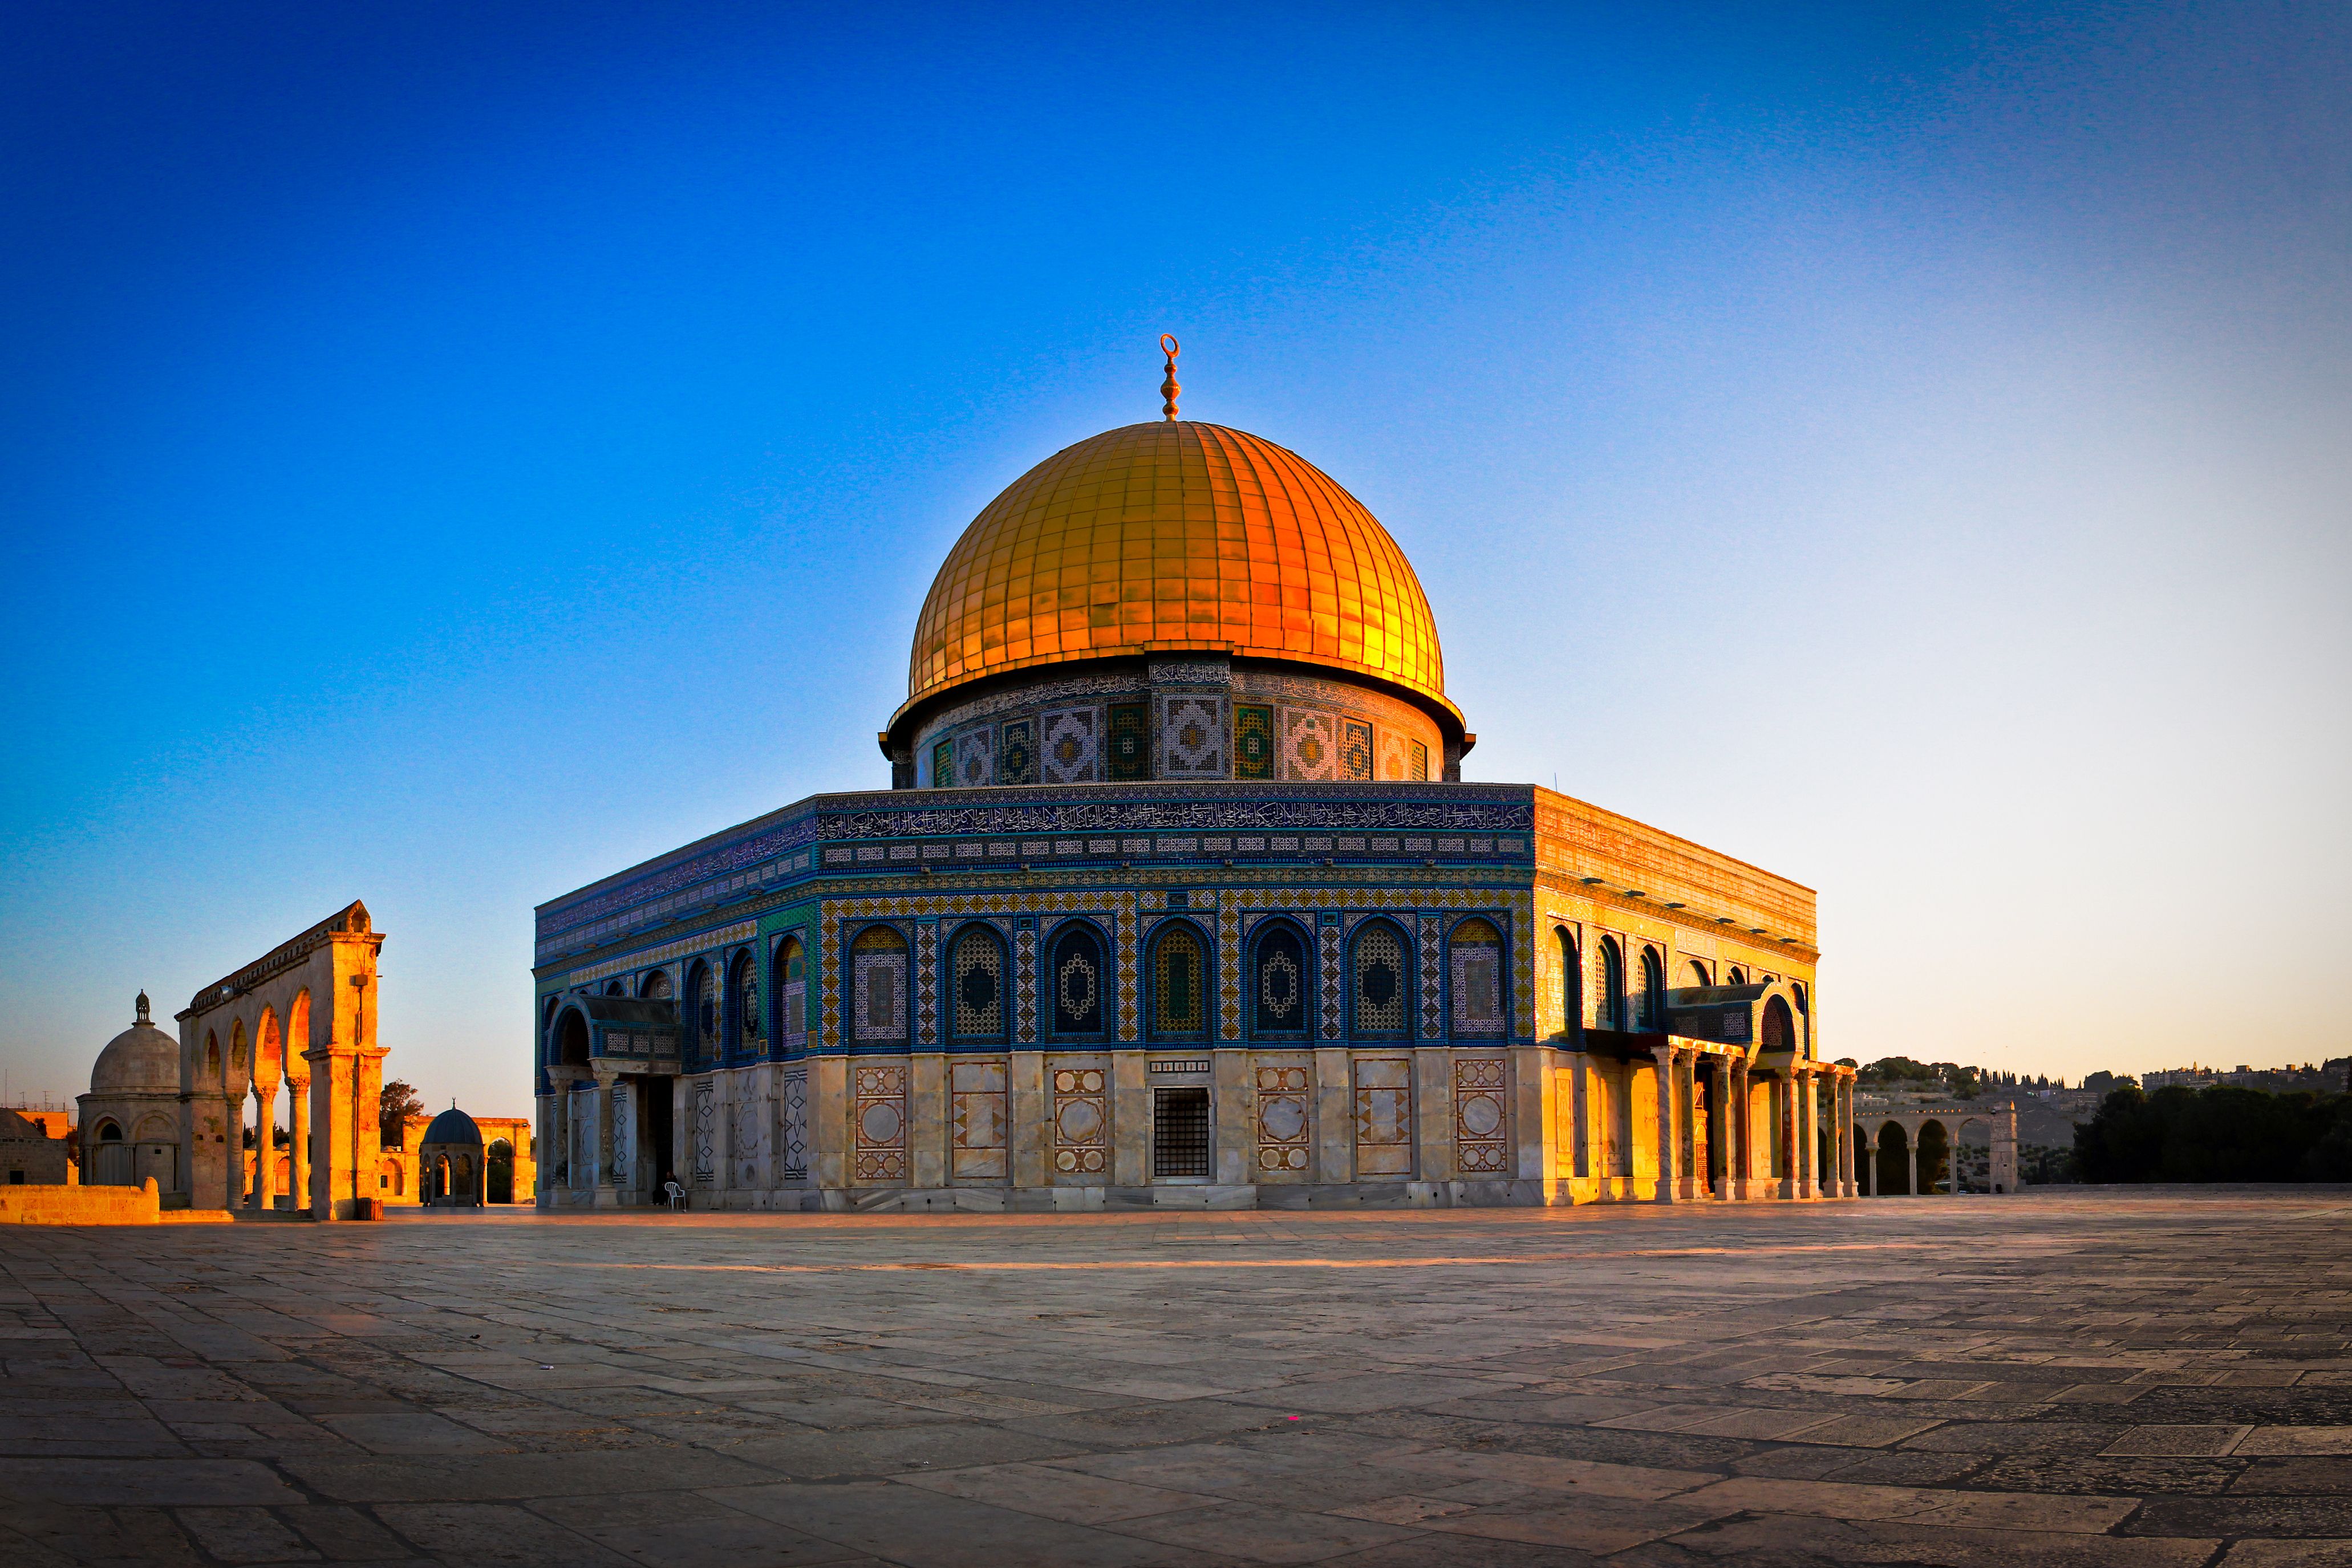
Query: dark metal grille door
[{"x": 1180, "y": 1133}]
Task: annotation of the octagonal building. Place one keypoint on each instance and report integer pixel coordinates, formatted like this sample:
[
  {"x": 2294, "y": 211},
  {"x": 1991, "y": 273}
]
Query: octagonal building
[{"x": 1177, "y": 898}]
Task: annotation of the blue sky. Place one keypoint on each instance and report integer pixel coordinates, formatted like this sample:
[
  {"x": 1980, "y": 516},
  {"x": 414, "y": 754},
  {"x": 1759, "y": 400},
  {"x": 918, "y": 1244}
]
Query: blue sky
[{"x": 449, "y": 453}]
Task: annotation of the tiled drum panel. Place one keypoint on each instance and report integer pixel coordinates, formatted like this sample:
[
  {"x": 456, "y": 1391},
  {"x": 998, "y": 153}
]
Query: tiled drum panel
[
  {"x": 1069, "y": 749},
  {"x": 1310, "y": 747},
  {"x": 1192, "y": 737}
]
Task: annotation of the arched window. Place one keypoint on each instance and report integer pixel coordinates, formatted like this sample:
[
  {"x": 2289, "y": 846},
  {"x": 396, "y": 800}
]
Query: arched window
[
  {"x": 1610, "y": 1007},
  {"x": 655, "y": 986},
  {"x": 570, "y": 1042},
  {"x": 877, "y": 987},
  {"x": 1075, "y": 978},
  {"x": 750, "y": 1020},
  {"x": 1571, "y": 983},
  {"x": 1180, "y": 984},
  {"x": 1652, "y": 1011},
  {"x": 791, "y": 962},
  {"x": 1382, "y": 1005},
  {"x": 616, "y": 987},
  {"x": 1278, "y": 975},
  {"x": 1699, "y": 973},
  {"x": 1476, "y": 972},
  {"x": 976, "y": 984},
  {"x": 1778, "y": 1034},
  {"x": 708, "y": 1015},
  {"x": 1735, "y": 975},
  {"x": 108, "y": 1133}
]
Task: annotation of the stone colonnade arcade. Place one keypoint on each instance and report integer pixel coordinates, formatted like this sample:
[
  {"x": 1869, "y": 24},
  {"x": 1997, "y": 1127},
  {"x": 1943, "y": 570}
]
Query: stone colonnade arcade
[
  {"x": 301, "y": 1017},
  {"x": 1876, "y": 1117}
]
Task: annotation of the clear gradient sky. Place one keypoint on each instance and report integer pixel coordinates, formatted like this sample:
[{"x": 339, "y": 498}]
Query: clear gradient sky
[{"x": 451, "y": 452}]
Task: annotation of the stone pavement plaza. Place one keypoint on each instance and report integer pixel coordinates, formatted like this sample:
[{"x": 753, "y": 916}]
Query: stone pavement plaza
[{"x": 2157, "y": 1376}]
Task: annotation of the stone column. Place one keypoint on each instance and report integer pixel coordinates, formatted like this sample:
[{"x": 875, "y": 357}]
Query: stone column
[
  {"x": 1808, "y": 1130},
  {"x": 1693, "y": 1182},
  {"x": 1721, "y": 1134},
  {"x": 1952, "y": 1161},
  {"x": 600, "y": 1141},
  {"x": 1784, "y": 1129},
  {"x": 1870, "y": 1149},
  {"x": 1736, "y": 1152},
  {"x": 1668, "y": 1137},
  {"x": 257, "y": 1194},
  {"x": 298, "y": 1141},
  {"x": 1845, "y": 1136},
  {"x": 1911, "y": 1149}
]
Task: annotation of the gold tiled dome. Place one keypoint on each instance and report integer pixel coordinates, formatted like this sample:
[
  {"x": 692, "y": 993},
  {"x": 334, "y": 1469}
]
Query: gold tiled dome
[{"x": 1168, "y": 536}]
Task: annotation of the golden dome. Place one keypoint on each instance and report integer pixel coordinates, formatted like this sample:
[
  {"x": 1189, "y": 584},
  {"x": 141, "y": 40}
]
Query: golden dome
[{"x": 1171, "y": 536}]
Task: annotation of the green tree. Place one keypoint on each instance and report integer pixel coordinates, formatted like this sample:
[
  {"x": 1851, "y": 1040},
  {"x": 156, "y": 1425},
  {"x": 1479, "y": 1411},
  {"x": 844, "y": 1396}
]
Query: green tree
[{"x": 394, "y": 1105}]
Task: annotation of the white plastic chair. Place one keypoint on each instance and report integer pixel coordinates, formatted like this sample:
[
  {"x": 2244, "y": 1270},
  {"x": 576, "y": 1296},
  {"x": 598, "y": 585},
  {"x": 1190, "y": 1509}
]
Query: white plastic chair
[{"x": 677, "y": 1195}]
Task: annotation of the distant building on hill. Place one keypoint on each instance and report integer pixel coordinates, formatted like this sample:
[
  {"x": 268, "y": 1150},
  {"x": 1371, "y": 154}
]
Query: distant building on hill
[{"x": 2331, "y": 1077}]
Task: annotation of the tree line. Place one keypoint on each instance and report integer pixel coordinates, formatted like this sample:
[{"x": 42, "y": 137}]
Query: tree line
[{"x": 2220, "y": 1134}]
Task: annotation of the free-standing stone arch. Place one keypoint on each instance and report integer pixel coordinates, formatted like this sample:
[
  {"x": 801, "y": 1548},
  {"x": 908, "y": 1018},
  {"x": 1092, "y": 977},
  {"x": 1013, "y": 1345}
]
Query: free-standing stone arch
[
  {"x": 323, "y": 983},
  {"x": 1906, "y": 1159}
]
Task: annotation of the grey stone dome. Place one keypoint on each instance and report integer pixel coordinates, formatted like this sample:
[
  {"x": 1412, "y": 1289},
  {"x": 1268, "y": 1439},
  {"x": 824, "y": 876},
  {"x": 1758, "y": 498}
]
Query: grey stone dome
[
  {"x": 453, "y": 1126},
  {"x": 141, "y": 1059}
]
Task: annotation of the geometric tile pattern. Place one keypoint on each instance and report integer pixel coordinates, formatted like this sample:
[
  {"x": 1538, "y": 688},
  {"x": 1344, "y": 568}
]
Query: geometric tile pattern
[
  {"x": 1478, "y": 964},
  {"x": 1081, "y": 1121},
  {"x": 703, "y": 1132},
  {"x": 1017, "y": 756},
  {"x": 1480, "y": 1122},
  {"x": 1379, "y": 981},
  {"x": 1129, "y": 743},
  {"x": 976, "y": 984},
  {"x": 1126, "y": 965},
  {"x": 1069, "y": 752},
  {"x": 1192, "y": 737},
  {"x": 1253, "y": 743},
  {"x": 878, "y": 1120},
  {"x": 795, "y": 1129},
  {"x": 927, "y": 982},
  {"x": 1383, "y": 1117},
  {"x": 1328, "y": 938},
  {"x": 975, "y": 757},
  {"x": 1283, "y": 1123},
  {"x": 976, "y": 1092},
  {"x": 834, "y": 912},
  {"x": 1025, "y": 959},
  {"x": 1432, "y": 1019},
  {"x": 1355, "y": 749},
  {"x": 1309, "y": 749}
]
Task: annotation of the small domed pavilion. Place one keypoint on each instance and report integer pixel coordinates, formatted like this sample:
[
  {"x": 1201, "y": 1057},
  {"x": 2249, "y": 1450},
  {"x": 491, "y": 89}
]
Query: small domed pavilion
[
  {"x": 130, "y": 1123},
  {"x": 449, "y": 1162}
]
